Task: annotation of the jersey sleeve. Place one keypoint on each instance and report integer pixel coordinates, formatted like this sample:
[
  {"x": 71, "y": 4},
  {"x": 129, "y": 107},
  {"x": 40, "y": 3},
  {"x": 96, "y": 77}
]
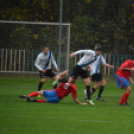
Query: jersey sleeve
[
  {"x": 84, "y": 51},
  {"x": 103, "y": 61},
  {"x": 37, "y": 63},
  {"x": 53, "y": 61}
]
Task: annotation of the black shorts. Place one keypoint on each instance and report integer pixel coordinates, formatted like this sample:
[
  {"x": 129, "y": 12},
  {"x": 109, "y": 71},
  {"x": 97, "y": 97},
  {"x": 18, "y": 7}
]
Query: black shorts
[
  {"x": 97, "y": 77},
  {"x": 48, "y": 73},
  {"x": 78, "y": 71}
]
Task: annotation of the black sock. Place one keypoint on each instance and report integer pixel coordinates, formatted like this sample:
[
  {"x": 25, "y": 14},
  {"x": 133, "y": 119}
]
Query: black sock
[
  {"x": 101, "y": 90},
  {"x": 93, "y": 90},
  {"x": 54, "y": 87},
  {"x": 40, "y": 86},
  {"x": 63, "y": 80},
  {"x": 88, "y": 92}
]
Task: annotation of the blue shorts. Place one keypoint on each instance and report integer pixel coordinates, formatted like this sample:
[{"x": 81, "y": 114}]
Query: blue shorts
[
  {"x": 51, "y": 96},
  {"x": 121, "y": 81}
]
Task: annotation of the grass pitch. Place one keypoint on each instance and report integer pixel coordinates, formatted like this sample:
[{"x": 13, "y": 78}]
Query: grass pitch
[{"x": 66, "y": 117}]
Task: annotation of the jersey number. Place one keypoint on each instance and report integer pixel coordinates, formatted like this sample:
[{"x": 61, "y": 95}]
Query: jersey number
[{"x": 66, "y": 86}]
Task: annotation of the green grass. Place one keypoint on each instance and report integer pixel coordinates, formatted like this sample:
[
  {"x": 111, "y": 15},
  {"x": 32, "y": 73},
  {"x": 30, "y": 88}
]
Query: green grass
[{"x": 66, "y": 117}]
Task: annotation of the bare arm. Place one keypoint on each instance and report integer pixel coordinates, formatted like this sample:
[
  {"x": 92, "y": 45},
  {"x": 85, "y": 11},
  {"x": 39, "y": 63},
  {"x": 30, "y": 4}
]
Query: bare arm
[
  {"x": 131, "y": 80},
  {"x": 129, "y": 69},
  {"x": 37, "y": 65},
  {"x": 107, "y": 65},
  {"x": 62, "y": 74},
  {"x": 81, "y": 51},
  {"x": 54, "y": 62},
  {"x": 79, "y": 102}
]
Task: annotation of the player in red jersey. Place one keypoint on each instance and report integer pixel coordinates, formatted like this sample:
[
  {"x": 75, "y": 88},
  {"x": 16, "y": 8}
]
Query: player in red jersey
[
  {"x": 122, "y": 75},
  {"x": 55, "y": 95}
]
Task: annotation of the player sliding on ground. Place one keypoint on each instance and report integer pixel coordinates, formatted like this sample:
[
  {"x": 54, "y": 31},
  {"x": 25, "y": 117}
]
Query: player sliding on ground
[
  {"x": 124, "y": 73},
  {"x": 55, "y": 95}
]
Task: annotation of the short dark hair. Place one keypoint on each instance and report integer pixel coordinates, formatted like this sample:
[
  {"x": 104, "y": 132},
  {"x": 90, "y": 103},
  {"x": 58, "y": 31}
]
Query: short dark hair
[
  {"x": 45, "y": 47},
  {"x": 98, "y": 49},
  {"x": 97, "y": 45}
]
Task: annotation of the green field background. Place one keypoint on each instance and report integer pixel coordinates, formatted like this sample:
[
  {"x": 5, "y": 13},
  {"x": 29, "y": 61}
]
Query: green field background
[{"x": 20, "y": 117}]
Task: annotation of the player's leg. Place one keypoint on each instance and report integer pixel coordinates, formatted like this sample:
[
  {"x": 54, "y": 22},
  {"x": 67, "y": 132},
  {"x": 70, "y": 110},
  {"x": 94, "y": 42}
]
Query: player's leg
[
  {"x": 127, "y": 93},
  {"x": 123, "y": 83},
  {"x": 86, "y": 80},
  {"x": 51, "y": 96},
  {"x": 52, "y": 75},
  {"x": 102, "y": 86},
  {"x": 42, "y": 76},
  {"x": 33, "y": 94},
  {"x": 74, "y": 74},
  {"x": 96, "y": 86},
  {"x": 60, "y": 79}
]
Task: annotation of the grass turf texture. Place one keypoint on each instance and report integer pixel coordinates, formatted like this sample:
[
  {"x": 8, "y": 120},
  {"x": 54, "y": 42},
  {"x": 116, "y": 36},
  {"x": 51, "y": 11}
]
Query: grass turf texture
[{"x": 66, "y": 117}]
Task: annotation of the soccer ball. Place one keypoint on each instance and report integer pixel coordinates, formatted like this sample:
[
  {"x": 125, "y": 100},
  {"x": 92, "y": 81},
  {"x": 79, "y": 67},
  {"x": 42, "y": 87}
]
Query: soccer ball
[{"x": 85, "y": 92}]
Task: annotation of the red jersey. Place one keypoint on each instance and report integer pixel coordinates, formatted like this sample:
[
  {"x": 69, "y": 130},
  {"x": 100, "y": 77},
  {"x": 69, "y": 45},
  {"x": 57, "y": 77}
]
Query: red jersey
[
  {"x": 65, "y": 89},
  {"x": 125, "y": 73}
]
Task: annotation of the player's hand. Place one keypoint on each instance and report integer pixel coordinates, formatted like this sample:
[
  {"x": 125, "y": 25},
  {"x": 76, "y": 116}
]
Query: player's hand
[
  {"x": 43, "y": 70},
  {"x": 89, "y": 69},
  {"x": 72, "y": 55},
  {"x": 56, "y": 69},
  {"x": 111, "y": 66},
  {"x": 132, "y": 82}
]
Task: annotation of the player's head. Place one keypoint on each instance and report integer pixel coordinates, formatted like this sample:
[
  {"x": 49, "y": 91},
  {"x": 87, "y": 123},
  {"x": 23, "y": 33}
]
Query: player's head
[
  {"x": 98, "y": 51},
  {"x": 97, "y": 45},
  {"x": 45, "y": 49}
]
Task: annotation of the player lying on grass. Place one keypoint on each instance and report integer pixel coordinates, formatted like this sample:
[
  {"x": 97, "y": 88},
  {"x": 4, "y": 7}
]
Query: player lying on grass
[
  {"x": 55, "y": 95},
  {"x": 124, "y": 73},
  {"x": 95, "y": 74}
]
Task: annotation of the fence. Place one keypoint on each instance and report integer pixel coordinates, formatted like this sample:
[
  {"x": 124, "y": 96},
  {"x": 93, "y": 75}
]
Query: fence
[{"x": 22, "y": 61}]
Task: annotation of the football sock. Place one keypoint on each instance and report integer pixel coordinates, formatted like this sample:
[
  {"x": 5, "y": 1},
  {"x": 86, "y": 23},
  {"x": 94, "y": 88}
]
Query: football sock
[
  {"x": 63, "y": 80},
  {"x": 122, "y": 99},
  {"x": 88, "y": 92},
  {"x": 93, "y": 90},
  {"x": 101, "y": 90},
  {"x": 40, "y": 101},
  {"x": 33, "y": 94},
  {"x": 40, "y": 86},
  {"x": 126, "y": 97}
]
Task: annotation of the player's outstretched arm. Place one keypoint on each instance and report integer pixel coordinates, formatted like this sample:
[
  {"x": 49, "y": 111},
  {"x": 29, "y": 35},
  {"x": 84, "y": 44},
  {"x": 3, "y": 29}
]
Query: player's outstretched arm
[
  {"x": 79, "y": 102},
  {"x": 131, "y": 80},
  {"x": 54, "y": 63},
  {"x": 81, "y": 51},
  {"x": 107, "y": 65},
  {"x": 129, "y": 69},
  {"x": 62, "y": 74}
]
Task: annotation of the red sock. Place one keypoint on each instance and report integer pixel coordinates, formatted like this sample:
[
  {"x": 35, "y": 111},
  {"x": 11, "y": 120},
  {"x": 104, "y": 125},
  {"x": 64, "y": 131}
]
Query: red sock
[
  {"x": 33, "y": 94},
  {"x": 122, "y": 99},
  {"x": 126, "y": 97},
  {"x": 41, "y": 101}
]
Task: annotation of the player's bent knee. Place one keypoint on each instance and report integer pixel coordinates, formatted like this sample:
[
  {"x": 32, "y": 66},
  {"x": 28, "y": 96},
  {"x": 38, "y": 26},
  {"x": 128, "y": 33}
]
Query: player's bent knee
[
  {"x": 71, "y": 80},
  {"x": 128, "y": 89},
  {"x": 103, "y": 83},
  {"x": 40, "y": 93},
  {"x": 43, "y": 80}
]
